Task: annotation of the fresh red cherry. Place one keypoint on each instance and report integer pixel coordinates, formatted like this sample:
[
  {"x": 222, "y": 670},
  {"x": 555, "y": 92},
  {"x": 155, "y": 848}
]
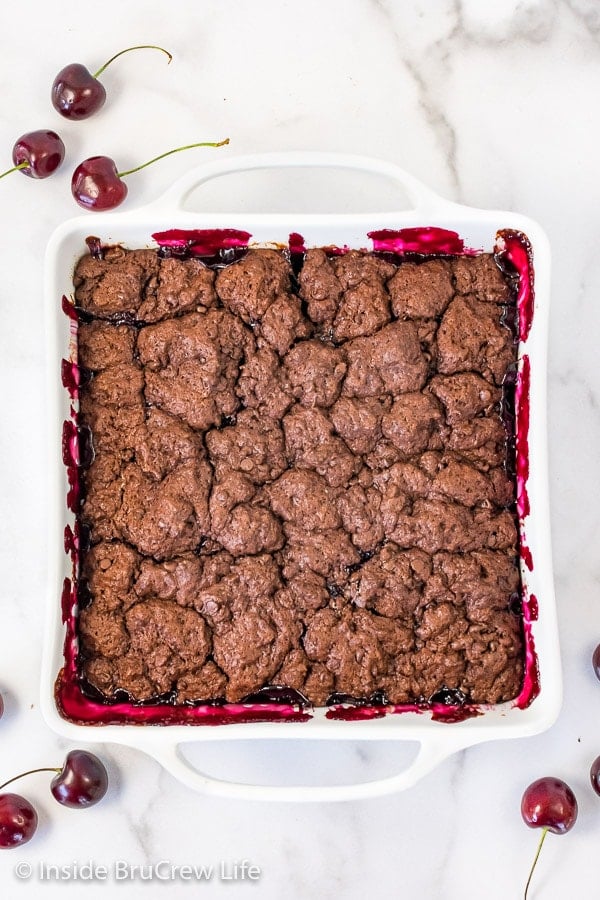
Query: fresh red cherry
[
  {"x": 82, "y": 781},
  {"x": 96, "y": 184},
  {"x": 18, "y": 821},
  {"x": 77, "y": 94},
  {"x": 37, "y": 154},
  {"x": 549, "y": 804}
]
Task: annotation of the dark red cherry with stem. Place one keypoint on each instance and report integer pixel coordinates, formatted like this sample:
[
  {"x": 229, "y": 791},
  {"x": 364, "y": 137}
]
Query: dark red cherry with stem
[
  {"x": 77, "y": 94},
  {"x": 37, "y": 154},
  {"x": 81, "y": 782},
  {"x": 549, "y": 804},
  {"x": 96, "y": 184},
  {"x": 18, "y": 821}
]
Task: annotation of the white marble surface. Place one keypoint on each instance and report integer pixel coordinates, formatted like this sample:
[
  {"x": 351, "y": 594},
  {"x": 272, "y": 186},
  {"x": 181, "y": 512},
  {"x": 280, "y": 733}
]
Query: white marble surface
[{"x": 491, "y": 104}]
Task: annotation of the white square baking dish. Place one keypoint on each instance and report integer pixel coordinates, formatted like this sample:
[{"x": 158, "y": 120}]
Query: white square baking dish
[{"x": 535, "y": 710}]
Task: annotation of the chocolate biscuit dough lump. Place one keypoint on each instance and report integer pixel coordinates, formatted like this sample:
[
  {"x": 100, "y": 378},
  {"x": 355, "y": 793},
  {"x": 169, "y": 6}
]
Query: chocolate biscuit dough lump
[
  {"x": 109, "y": 573},
  {"x": 260, "y": 385},
  {"x": 102, "y": 345},
  {"x": 112, "y": 401},
  {"x": 390, "y": 361},
  {"x": 472, "y": 338},
  {"x": 139, "y": 286},
  {"x": 358, "y": 421},
  {"x": 320, "y": 289},
  {"x": 314, "y": 373},
  {"x": 360, "y": 510},
  {"x": 414, "y": 423},
  {"x": 421, "y": 290},
  {"x": 182, "y": 578},
  {"x": 257, "y": 288},
  {"x": 254, "y": 446},
  {"x": 191, "y": 365},
  {"x": 392, "y": 583},
  {"x": 252, "y": 630},
  {"x": 310, "y": 443},
  {"x": 164, "y": 643},
  {"x": 159, "y": 518},
  {"x": 163, "y": 442},
  {"x": 481, "y": 277},
  {"x": 364, "y": 306},
  {"x": 346, "y": 296},
  {"x": 163, "y": 519},
  {"x": 241, "y": 521},
  {"x": 356, "y": 648},
  {"x": 465, "y": 396},
  {"x": 315, "y": 539}
]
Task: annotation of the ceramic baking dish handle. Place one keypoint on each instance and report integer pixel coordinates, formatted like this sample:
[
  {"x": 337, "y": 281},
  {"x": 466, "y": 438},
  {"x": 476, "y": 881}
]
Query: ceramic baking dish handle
[
  {"x": 430, "y": 754},
  {"x": 422, "y": 198}
]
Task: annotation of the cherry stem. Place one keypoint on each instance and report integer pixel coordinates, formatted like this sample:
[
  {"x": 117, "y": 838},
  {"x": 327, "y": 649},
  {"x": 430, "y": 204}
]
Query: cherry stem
[
  {"x": 139, "y": 47},
  {"x": 169, "y": 153},
  {"x": 542, "y": 839},
  {"x": 23, "y": 774},
  {"x": 23, "y": 165}
]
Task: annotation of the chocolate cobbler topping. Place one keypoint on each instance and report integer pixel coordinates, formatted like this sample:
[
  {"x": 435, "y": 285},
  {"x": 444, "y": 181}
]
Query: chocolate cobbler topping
[{"x": 300, "y": 481}]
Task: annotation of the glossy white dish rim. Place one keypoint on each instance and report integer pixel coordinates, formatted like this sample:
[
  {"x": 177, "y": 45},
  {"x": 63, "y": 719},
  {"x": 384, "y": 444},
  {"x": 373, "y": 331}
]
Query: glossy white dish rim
[{"x": 438, "y": 740}]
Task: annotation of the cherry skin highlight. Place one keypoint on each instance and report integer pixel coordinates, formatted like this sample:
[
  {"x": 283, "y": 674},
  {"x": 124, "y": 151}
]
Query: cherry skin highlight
[
  {"x": 76, "y": 92},
  {"x": 37, "y": 154},
  {"x": 18, "y": 821},
  {"x": 82, "y": 782}
]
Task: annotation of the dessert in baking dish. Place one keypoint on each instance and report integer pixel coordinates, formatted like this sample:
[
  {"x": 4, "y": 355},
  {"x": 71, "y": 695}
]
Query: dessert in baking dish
[{"x": 298, "y": 478}]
